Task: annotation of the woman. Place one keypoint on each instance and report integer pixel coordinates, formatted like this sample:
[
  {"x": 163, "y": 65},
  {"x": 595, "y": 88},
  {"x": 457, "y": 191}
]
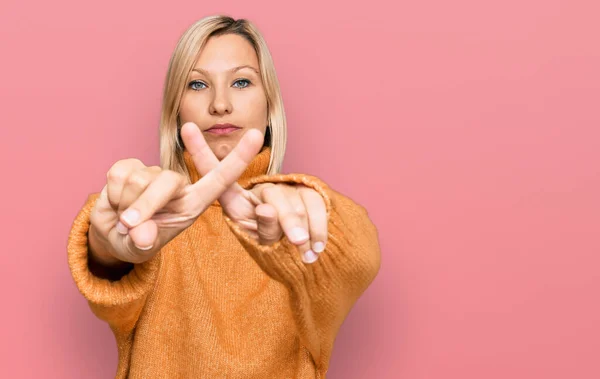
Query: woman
[{"x": 216, "y": 265}]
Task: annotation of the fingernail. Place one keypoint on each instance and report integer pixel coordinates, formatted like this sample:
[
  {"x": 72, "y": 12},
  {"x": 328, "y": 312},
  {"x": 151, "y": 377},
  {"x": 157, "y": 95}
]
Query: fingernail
[
  {"x": 309, "y": 256},
  {"x": 298, "y": 235},
  {"x": 131, "y": 216},
  {"x": 144, "y": 248},
  {"x": 318, "y": 247},
  {"x": 121, "y": 228}
]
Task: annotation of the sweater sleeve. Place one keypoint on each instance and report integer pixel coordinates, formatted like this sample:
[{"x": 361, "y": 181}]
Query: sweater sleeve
[
  {"x": 321, "y": 293},
  {"x": 118, "y": 302}
]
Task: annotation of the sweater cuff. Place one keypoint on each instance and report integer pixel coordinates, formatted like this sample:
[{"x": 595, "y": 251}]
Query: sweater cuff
[
  {"x": 133, "y": 286},
  {"x": 281, "y": 260}
]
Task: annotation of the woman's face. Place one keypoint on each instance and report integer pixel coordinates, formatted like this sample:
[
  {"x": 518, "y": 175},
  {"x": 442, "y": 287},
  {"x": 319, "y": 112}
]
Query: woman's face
[{"x": 225, "y": 87}]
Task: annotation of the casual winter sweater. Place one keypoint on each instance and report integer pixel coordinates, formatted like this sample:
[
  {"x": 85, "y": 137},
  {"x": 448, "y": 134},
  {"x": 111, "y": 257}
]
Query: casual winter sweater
[{"x": 214, "y": 303}]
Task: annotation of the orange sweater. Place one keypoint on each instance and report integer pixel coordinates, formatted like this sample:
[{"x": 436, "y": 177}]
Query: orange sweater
[{"x": 213, "y": 303}]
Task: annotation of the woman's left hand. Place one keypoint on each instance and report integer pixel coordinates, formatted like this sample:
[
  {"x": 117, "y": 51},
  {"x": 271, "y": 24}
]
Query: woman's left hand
[{"x": 269, "y": 210}]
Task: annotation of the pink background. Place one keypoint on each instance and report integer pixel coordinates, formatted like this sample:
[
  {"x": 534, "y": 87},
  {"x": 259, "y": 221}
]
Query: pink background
[{"x": 469, "y": 129}]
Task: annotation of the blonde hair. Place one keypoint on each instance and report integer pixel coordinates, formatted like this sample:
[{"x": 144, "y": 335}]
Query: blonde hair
[{"x": 181, "y": 64}]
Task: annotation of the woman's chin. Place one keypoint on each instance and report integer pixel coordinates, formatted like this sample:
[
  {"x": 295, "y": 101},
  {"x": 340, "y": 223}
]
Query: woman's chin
[{"x": 221, "y": 149}]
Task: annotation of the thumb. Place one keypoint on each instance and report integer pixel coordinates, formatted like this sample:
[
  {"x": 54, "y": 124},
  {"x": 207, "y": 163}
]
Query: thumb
[
  {"x": 138, "y": 244},
  {"x": 269, "y": 230}
]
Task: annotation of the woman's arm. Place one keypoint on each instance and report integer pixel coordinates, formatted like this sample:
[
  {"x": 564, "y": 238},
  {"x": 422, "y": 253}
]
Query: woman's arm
[
  {"x": 116, "y": 293},
  {"x": 321, "y": 293}
]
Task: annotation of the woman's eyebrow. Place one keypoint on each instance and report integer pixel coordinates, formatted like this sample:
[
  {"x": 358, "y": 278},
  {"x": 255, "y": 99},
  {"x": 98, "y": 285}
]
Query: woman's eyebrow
[{"x": 231, "y": 70}]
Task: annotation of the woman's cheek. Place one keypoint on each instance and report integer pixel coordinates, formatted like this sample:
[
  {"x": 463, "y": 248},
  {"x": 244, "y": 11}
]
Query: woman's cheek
[
  {"x": 190, "y": 108},
  {"x": 259, "y": 109}
]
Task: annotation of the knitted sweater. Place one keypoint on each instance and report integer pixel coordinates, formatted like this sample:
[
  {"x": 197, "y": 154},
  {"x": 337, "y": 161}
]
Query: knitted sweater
[{"x": 213, "y": 303}]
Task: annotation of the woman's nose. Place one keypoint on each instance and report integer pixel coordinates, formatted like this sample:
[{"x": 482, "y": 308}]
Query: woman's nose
[{"x": 220, "y": 103}]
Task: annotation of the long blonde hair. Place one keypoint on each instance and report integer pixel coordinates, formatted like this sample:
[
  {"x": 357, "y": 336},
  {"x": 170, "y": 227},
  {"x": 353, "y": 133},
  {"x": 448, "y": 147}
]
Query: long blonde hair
[{"x": 181, "y": 64}]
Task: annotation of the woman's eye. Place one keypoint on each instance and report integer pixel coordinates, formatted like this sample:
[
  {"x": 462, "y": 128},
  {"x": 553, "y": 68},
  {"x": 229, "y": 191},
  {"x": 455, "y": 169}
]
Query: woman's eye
[
  {"x": 195, "y": 85},
  {"x": 245, "y": 83}
]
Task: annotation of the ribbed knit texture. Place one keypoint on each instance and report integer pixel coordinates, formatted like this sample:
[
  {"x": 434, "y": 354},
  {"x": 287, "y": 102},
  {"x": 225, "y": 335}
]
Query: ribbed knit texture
[{"x": 213, "y": 303}]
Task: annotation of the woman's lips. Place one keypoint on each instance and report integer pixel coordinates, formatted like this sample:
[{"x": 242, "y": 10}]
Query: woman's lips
[{"x": 222, "y": 130}]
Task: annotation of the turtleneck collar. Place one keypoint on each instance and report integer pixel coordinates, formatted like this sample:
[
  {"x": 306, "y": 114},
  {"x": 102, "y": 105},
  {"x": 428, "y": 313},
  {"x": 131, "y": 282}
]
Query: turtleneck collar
[{"x": 258, "y": 166}]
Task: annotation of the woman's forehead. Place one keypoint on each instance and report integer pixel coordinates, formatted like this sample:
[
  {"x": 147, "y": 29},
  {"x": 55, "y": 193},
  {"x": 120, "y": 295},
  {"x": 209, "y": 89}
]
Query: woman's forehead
[{"x": 226, "y": 52}]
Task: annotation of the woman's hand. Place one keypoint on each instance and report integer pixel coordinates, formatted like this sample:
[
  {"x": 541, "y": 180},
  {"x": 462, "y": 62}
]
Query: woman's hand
[
  {"x": 141, "y": 209},
  {"x": 269, "y": 210},
  {"x": 293, "y": 209}
]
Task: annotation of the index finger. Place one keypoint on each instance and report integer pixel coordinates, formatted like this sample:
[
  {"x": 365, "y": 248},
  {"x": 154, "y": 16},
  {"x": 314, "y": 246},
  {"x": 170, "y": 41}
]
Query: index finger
[{"x": 202, "y": 155}]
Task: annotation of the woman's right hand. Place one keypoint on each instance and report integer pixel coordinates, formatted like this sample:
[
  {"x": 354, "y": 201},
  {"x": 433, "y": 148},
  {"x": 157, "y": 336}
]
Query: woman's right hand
[{"x": 141, "y": 209}]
